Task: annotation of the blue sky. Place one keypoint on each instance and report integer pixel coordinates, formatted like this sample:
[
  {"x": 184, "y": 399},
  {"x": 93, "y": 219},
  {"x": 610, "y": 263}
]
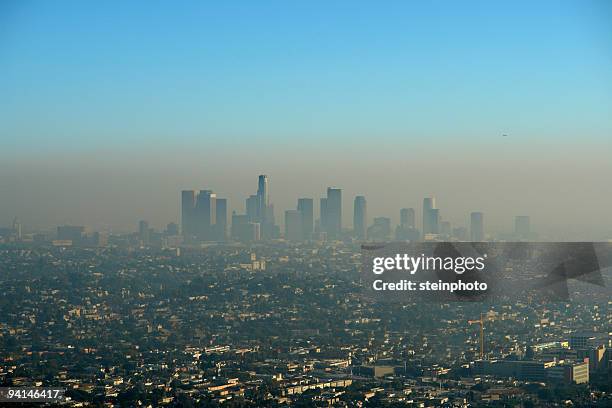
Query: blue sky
[{"x": 119, "y": 75}]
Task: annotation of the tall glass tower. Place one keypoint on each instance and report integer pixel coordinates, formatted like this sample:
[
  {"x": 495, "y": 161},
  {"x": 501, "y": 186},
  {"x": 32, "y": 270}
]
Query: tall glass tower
[{"x": 359, "y": 217}]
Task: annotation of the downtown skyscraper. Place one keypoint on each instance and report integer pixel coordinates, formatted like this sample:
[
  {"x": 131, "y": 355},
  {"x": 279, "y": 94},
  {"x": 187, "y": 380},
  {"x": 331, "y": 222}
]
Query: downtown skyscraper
[
  {"x": 263, "y": 197},
  {"x": 360, "y": 217},
  {"x": 188, "y": 215},
  {"x": 477, "y": 227},
  {"x": 431, "y": 217},
  {"x": 206, "y": 215},
  {"x": 293, "y": 225},
  {"x": 221, "y": 219},
  {"x": 331, "y": 213},
  {"x": 407, "y": 218},
  {"x": 407, "y": 230},
  {"x": 306, "y": 208},
  {"x": 265, "y": 210},
  {"x": 299, "y": 223},
  {"x": 203, "y": 216}
]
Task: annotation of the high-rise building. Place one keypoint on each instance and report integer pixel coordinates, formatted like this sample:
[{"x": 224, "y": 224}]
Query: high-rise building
[
  {"x": 243, "y": 229},
  {"x": 323, "y": 215},
  {"x": 252, "y": 208},
  {"x": 73, "y": 233},
  {"x": 380, "y": 230},
  {"x": 221, "y": 219},
  {"x": 206, "y": 207},
  {"x": 460, "y": 233},
  {"x": 265, "y": 210},
  {"x": 99, "y": 239},
  {"x": 293, "y": 225},
  {"x": 407, "y": 218},
  {"x": 188, "y": 205},
  {"x": 444, "y": 229},
  {"x": 429, "y": 203},
  {"x": 522, "y": 227},
  {"x": 143, "y": 232},
  {"x": 269, "y": 218},
  {"x": 263, "y": 197},
  {"x": 262, "y": 190},
  {"x": 360, "y": 217},
  {"x": 17, "y": 229},
  {"x": 199, "y": 215},
  {"x": 334, "y": 213},
  {"x": 434, "y": 221},
  {"x": 305, "y": 207},
  {"x": 407, "y": 230},
  {"x": 477, "y": 227},
  {"x": 430, "y": 217},
  {"x": 172, "y": 229}
]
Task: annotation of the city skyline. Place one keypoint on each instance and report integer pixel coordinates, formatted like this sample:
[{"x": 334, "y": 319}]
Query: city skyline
[
  {"x": 346, "y": 214},
  {"x": 205, "y": 216}
]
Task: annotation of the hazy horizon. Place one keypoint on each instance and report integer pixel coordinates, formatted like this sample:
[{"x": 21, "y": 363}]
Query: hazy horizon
[{"x": 117, "y": 190}]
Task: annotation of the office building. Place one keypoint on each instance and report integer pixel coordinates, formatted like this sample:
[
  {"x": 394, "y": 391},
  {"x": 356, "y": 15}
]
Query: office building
[
  {"x": 380, "y": 230},
  {"x": 431, "y": 216},
  {"x": 460, "y": 233},
  {"x": 252, "y": 208},
  {"x": 199, "y": 215},
  {"x": 206, "y": 207},
  {"x": 265, "y": 210},
  {"x": 406, "y": 230},
  {"x": 293, "y": 225},
  {"x": 333, "y": 224},
  {"x": 172, "y": 229},
  {"x": 323, "y": 215},
  {"x": 407, "y": 218},
  {"x": 221, "y": 219},
  {"x": 582, "y": 340},
  {"x": 99, "y": 239},
  {"x": 570, "y": 372},
  {"x": 188, "y": 205},
  {"x": 17, "y": 230},
  {"x": 306, "y": 208},
  {"x": 434, "y": 221},
  {"x": 477, "y": 227},
  {"x": 444, "y": 229},
  {"x": 360, "y": 217},
  {"x": 263, "y": 198},
  {"x": 143, "y": 233},
  {"x": 243, "y": 229},
  {"x": 73, "y": 233}
]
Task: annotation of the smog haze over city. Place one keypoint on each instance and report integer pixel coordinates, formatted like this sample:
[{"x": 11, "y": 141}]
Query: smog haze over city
[
  {"x": 247, "y": 204},
  {"x": 110, "y": 110}
]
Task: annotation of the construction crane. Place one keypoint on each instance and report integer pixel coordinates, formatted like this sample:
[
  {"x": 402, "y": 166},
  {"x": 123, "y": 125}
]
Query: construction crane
[{"x": 481, "y": 323}]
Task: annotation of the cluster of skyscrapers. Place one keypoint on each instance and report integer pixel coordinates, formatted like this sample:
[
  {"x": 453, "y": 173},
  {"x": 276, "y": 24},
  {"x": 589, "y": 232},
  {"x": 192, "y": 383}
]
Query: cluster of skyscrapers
[{"x": 205, "y": 218}]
